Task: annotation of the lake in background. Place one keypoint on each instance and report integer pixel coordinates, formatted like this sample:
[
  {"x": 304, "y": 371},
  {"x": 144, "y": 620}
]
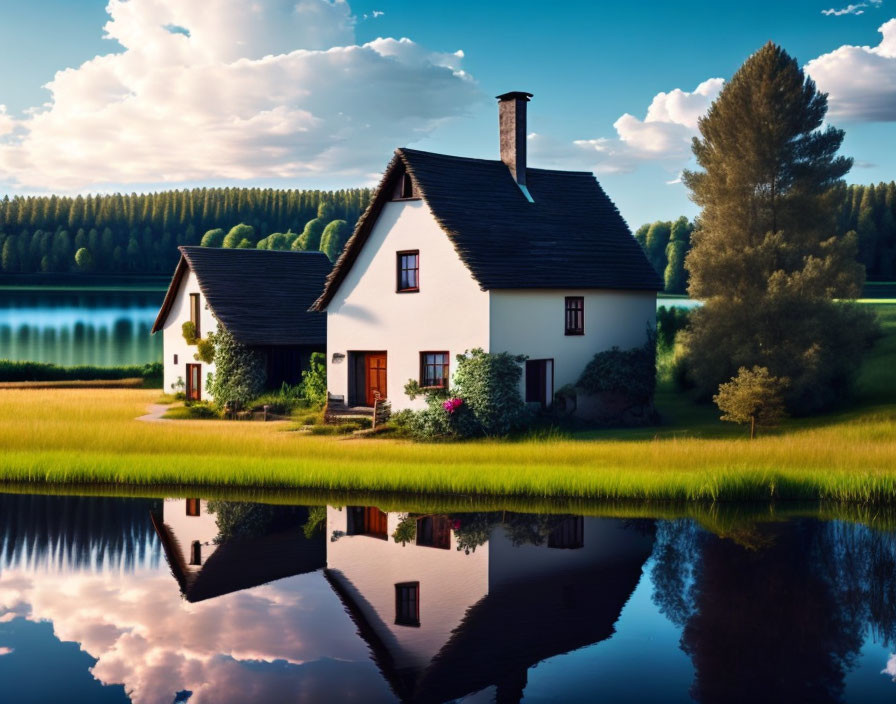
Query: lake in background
[
  {"x": 73, "y": 326},
  {"x": 187, "y": 600}
]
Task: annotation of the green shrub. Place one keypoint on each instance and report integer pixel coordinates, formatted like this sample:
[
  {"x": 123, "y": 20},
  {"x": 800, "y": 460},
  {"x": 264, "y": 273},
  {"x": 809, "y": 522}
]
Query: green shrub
[
  {"x": 189, "y": 332},
  {"x": 314, "y": 380},
  {"x": 239, "y": 371},
  {"x": 193, "y": 410},
  {"x": 152, "y": 374},
  {"x": 630, "y": 372},
  {"x": 283, "y": 401},
  {"x": 486, "y": 400},
  {"x": 669, "y": 321},
  {"x": 42, "y": 371},
  {"x": 205, "y": 349}
]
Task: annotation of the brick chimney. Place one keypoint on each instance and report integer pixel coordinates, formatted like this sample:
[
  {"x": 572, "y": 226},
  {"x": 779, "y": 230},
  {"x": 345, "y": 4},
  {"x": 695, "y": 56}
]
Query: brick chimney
[{"x": 512, "y": 126}]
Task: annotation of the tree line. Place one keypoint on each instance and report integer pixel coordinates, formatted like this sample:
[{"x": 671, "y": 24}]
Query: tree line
[
  {"x": 140, "y": 233},
  {"x": 868, "y": 211}
]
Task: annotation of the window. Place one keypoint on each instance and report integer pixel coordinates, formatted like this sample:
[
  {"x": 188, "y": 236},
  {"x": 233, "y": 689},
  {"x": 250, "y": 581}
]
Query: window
[
  {"x": 194, "y": 312},
  {"x": 404, "y": 189},
  {"x": 434, "y": 369},
  {"x": 569, "y": 535},
  {"x": 192, "y": 507},
  {"x": 175, "y": 359},
  {"x": 575, "y": 315},
  {"x": 407, "y": 186},
  {"x": 408, "y": 271},
  {"x": 367, "y": 520},
  {"x": 407, "y": 604},
  {"x": 434, "y": 532}
]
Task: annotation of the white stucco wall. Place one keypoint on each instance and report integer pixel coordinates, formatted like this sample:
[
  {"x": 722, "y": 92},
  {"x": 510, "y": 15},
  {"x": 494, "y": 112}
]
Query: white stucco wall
[
  {"x": 369, "y": 568},
  {"x": 532, "y": 322},
  {"x": 186, "y": 529},
  {"x": 450, "y": 312},
  {"x": 173, "y": 339}
]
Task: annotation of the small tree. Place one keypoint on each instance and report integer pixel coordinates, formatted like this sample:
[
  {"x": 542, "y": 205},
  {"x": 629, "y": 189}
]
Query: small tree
[
  {"x": 84, "y": 259},
  {"x": 334, "y": 238},
  {"x": 314, "y": 380},
  {"x": 754, "y": 396},
  {"x": 237, "y": 234},
  {"x": 212, "y": 238}
]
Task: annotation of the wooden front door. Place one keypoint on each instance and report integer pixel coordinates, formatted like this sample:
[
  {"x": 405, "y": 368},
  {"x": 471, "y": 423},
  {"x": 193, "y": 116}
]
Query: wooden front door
[
  {"x": 375, "y": 375},
  {"x": 194, "y": 382}
]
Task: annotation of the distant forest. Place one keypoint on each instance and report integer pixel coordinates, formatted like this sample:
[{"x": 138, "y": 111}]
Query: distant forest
[
  {"x": 869, "y": 211},
  {"x": 139, "y": 234}
]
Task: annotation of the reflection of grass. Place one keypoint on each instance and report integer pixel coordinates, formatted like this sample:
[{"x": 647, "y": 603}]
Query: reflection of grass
[{"x": 83, "y": 436}]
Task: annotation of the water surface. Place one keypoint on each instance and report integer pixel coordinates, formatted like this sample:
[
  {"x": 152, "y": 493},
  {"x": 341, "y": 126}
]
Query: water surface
[
  {"x": 188, "y": 600},
  {"x": 104, "y": 327}
]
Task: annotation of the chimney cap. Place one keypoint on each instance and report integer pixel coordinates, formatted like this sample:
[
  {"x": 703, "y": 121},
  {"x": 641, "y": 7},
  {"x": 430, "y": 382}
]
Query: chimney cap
[{"x": 514, "y": 95}]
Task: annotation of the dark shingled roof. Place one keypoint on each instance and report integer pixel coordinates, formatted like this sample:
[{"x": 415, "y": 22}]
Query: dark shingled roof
[
  {"x": 261, "y": 296},
  {"x": 572, "y": 236}
]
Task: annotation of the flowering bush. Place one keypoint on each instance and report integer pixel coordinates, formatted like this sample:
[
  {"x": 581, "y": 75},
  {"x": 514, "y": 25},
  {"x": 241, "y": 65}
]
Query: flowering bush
[
  {"x": 452, "y": 404},
  {"x": 485, "y": 402}
]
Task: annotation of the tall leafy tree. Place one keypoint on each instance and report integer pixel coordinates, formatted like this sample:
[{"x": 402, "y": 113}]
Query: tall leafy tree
[{"x": 765, "y": 257}]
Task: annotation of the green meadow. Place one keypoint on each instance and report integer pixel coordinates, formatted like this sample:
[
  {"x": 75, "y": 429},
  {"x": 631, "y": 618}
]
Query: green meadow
[{"x": 89, "y": 437}]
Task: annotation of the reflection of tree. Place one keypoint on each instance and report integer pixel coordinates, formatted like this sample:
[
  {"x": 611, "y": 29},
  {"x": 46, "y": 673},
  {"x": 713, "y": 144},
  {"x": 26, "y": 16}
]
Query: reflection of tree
[
  {"x": 240, "y": 519},
  {"x": 780, "y": 619},
  {"x": 675, "y": 554}
]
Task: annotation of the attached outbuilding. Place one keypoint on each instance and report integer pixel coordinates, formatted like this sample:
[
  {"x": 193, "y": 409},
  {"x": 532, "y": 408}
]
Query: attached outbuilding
[
  {"x": 262, "y": 297},
  {"x": 456, "y": 253}
]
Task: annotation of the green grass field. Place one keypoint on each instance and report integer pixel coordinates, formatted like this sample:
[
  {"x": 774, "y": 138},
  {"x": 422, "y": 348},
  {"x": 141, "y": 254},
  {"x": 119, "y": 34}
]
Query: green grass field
[{"x": 89, "y": 436}]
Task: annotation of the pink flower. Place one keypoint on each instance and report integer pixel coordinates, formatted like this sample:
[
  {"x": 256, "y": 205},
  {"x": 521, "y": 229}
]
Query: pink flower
[{"x": 452, "y": 404}]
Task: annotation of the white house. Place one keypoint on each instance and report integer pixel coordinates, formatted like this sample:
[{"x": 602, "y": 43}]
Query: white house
[
  {"x": 456, "y": 253},
  {"x": 443, "y": 623},
  {"x": 261, "y": 296}
]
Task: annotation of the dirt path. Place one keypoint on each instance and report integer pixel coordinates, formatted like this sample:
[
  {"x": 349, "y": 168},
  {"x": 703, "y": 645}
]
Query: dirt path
[{"x": 156, "y": 411}]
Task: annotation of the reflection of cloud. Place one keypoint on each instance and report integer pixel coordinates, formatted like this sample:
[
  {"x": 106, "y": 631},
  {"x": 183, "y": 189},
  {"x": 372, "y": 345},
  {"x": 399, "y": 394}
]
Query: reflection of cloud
[
  {"x": 278, "y": 642},
  {"x": 5, "y": 651},
  {"x": 890, "y": 669}
]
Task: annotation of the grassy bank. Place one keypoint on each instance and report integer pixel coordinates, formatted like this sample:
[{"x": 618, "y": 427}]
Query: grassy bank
[{"x": 83, "y": 436}]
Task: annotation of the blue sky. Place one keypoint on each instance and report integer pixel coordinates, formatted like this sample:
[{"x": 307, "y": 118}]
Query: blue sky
[{"x": 235, "y": 103}]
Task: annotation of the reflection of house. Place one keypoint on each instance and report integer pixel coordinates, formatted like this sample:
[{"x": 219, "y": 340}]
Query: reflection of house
[
  {"x": 456, "y": 253},
  {"x": 206, "y": 568},
  {"x": 260, "y": 296},
  {"x": 443, "y": 624}
]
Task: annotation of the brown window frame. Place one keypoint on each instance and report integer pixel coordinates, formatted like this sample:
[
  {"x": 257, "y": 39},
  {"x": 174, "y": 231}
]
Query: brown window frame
[
  {"x": 175, "y": 359},
  {"x": 367, "y": 520},
  {"x": 193, "y": 507},
  {"x": 404, "y": 188},
  {"x": 402, "y": 619},
  {"x": 400, "y": 269},
  {"x": 434, "y": 532},
  {"x": 194, "y": 313},
  {"x": 446, "y": 370},
  {"x": 574, "y": 312}
]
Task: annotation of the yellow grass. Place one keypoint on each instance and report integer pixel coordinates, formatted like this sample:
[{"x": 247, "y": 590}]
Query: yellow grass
[{"x": 78, "y": 436}]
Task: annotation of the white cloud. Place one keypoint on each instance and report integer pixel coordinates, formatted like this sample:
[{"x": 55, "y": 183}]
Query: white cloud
[
  {"x": 860, "y": 80},
  {"x": 852, "y": 9},
  {"x": 5, "y": 651},
  {"x": 228, "y": 90},
  {"x": 663, "y": 136}
]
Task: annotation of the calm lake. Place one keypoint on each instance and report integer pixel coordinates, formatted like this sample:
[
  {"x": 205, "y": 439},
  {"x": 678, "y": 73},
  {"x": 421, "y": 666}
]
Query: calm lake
[
  {"x": 102, "y": 327},
  {"x": 187, "y": 600}
]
